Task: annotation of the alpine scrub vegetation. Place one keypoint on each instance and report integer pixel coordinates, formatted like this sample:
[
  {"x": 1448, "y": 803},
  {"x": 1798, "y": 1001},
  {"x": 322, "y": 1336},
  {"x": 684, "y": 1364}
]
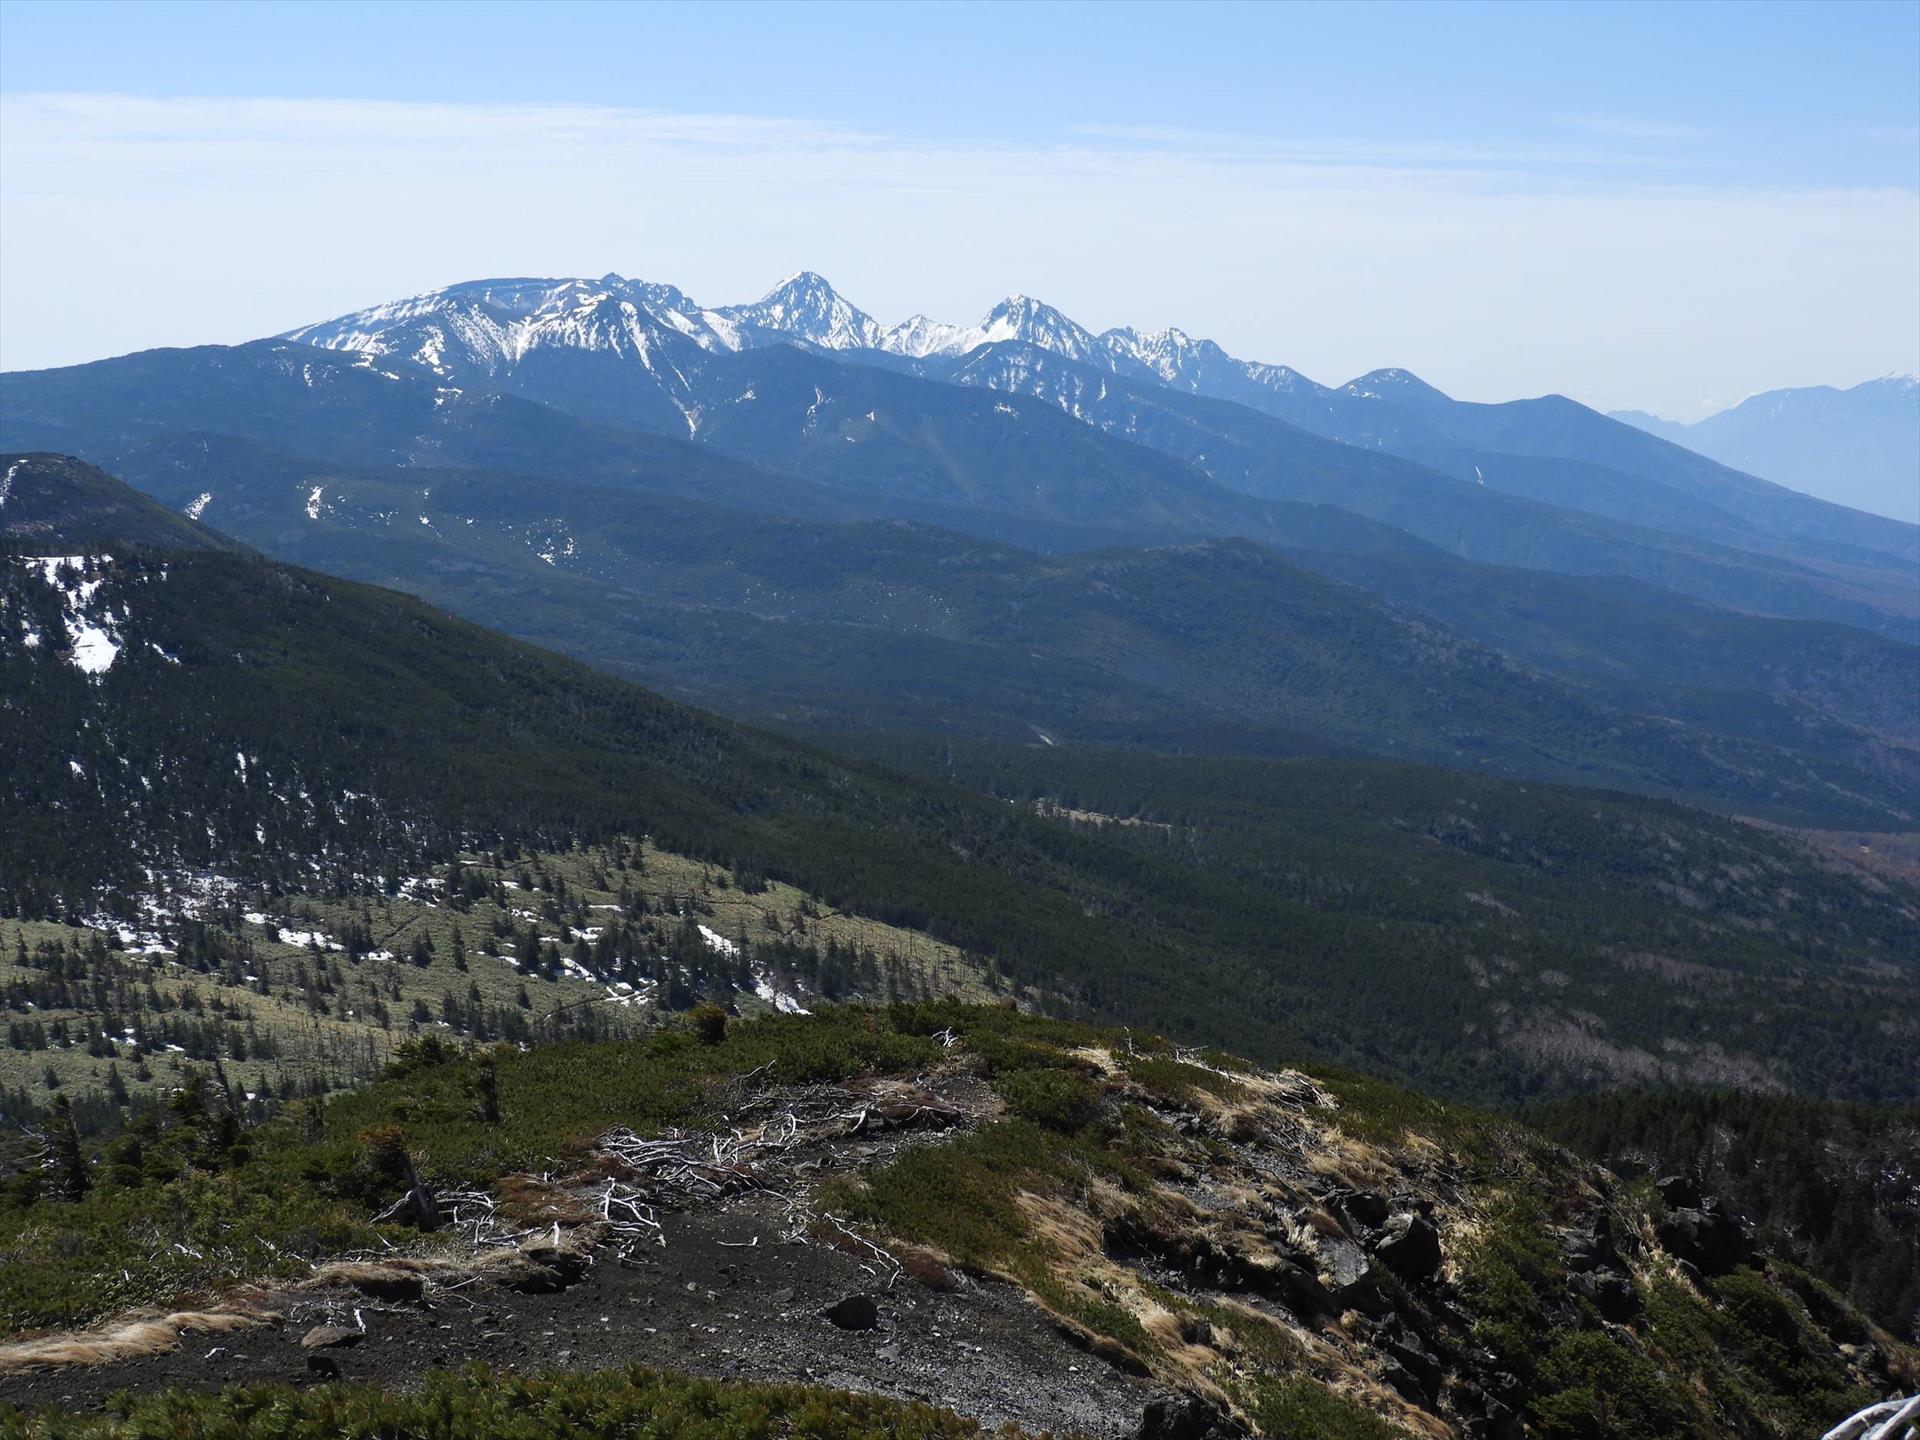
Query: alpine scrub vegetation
[
  {"x": 477, "y": 1405},
  {"x": 1285, "y": 1249},
  {"x": 1452, "y": 931}
]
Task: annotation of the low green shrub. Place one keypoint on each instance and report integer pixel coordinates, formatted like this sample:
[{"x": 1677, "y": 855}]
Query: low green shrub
[{"x": 478, "y": 1404}]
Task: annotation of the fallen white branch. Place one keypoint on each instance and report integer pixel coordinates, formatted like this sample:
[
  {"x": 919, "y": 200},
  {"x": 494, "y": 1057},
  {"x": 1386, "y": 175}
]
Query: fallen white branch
[{"x": 1889, "y": 1420}]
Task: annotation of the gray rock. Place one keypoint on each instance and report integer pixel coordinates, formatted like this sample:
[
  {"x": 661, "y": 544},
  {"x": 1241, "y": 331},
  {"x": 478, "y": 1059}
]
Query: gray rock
[
  {"x": 1342, "y": 1262},
  {"x": 331, "y": 1337}
]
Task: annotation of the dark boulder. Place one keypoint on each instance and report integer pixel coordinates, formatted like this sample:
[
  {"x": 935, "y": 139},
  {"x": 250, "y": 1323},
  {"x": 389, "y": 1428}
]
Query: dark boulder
[
  {"x": 542, "y": 1270},
  {"x": 1418, "y": 1362},
  {"x": 1406, "y": 1383},
  {"x": 1711, "y": 1241},
  {"x": 1409, "y": 1246},
  {"x": 1196, "y": 1330},
  {"x": 855, "y": 1312},
  {"x": 1297, "y": 1288},
  {"x": 1184, "y": 1417},
  {"x": 1363, "y": 1207},
  {"x": 1681, "y": 1192},
  {"x": 381, "y": 1282},
  {"x": 1610, "y": 1292}
]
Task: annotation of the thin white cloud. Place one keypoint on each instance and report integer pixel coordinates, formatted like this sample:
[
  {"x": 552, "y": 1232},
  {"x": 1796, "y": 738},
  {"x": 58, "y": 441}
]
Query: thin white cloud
[
  {"x": 1630, "y": 127},
  {"x": 127, "y": 223},
  {"x": 1543, "y": 159}
]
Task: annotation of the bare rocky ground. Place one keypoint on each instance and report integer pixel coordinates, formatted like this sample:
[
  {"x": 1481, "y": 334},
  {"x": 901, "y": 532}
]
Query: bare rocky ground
[{"x": 734, "y": 1293}]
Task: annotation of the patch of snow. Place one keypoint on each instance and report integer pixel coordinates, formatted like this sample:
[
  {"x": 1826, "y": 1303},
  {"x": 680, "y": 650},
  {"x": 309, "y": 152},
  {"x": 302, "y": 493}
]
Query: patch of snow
[
  {"x": 197, "y": 506},
  {"x": 306, "y": 938},
  {"x": 780, "y": 1000},
  {"x": 95, "y": 648},
  {"x": 89, "y": 625}
]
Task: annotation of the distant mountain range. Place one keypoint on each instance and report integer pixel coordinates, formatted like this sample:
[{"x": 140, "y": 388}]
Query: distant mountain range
[
  {"x": 1543, "y": 484},
  {"x": 1858, "y": 447},
  {"x": 686, "y": 496},
  {"x": 1550, "y": 449}
]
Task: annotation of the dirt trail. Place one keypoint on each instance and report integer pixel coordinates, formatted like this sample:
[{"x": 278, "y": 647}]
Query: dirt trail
[{"x": 733, "y": 1293}]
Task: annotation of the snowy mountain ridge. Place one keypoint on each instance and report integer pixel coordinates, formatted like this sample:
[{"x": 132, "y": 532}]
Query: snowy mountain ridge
[{"x": 483, "y": 326}]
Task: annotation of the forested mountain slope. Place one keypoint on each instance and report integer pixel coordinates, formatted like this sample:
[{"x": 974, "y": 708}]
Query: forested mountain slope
[
  {"x": 1220, "y": 647},
  {"x": 1834, "y": 1186},
  {"x": 266, "y": 723},
  {"x": 848, "y": 441},
  {"x": 57, "y": 499}
]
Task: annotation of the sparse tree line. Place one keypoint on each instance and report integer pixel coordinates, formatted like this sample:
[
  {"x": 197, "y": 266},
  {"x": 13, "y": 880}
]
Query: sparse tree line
[{"x": 89, "y": 995}]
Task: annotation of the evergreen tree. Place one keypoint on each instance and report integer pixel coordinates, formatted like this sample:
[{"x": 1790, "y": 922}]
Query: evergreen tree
[{"x": 66, "y": 1161}]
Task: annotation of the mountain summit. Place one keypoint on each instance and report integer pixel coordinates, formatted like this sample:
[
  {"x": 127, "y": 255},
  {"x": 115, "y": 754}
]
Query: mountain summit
[{"x": 805, "y": 306}]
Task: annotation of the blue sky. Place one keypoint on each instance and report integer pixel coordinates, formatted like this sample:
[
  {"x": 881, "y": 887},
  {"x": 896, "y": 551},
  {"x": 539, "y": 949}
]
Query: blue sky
[{"x": 1647, "y": 205}]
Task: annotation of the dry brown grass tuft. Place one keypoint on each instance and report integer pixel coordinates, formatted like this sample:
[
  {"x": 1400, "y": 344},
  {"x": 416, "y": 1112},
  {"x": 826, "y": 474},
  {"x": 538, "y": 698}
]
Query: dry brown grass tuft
[
  {"x": 526, "y": 1200},
  {"x": 1068, "y": 1235},
  {"x": 1356, "y": 1164},
  {"x": 928, "y": 1268},
  {"x": 131, "y": 1337}
]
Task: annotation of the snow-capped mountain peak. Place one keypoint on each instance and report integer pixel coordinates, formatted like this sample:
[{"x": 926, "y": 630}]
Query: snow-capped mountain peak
[
  {"x": 919, "y": 336},
  {"x": 806, "y": 306},
  {"x": 1021, "y": 317},
  {"x": 1017, "y": 318}
]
